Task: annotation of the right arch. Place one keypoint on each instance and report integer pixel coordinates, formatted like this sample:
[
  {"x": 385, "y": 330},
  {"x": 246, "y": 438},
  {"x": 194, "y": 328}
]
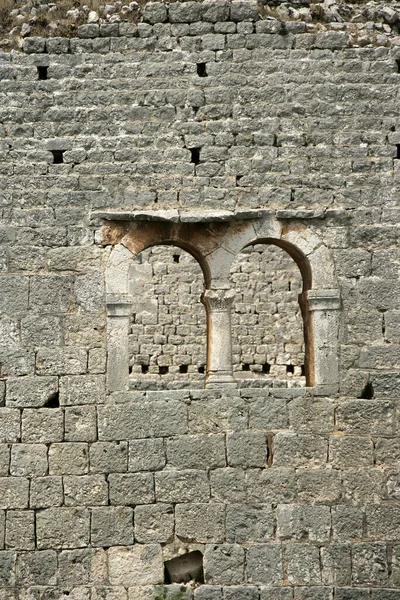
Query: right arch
[{"x": 319, "y": 300}]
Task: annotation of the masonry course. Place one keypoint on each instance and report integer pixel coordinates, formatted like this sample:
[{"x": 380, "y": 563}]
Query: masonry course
[{"x": 288, "y": 492}]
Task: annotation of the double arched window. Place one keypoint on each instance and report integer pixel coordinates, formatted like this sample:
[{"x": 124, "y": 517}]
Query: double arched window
[{"x": 216, "y": 246}]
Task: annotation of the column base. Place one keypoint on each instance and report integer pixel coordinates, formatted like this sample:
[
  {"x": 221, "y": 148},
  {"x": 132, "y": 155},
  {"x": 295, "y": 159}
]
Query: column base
[{"x": 220, "y": 380}]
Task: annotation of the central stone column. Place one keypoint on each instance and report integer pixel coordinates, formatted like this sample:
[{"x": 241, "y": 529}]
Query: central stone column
[{"x": 219, "y": 340}]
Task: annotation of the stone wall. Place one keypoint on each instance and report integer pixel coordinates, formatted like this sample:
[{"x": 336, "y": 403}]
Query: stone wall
[
  {"x": 201, "y": 109},
  {"x": 168, "y": 330}
]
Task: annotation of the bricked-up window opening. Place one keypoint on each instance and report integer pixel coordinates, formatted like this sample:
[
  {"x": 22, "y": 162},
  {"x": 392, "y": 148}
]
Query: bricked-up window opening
[
  {"x": 267, "y": 325},
  {"x": 42, "y": 73},
  {"x": 58, "y": 156},
  {"x": 167, "y": 339},
  {"x": 202, "y": 70},
  {"x": 184, "y": 568}
]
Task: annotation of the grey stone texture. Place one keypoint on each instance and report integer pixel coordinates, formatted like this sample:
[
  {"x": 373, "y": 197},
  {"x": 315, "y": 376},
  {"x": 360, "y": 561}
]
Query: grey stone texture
[{"x": 198, "y": 113}]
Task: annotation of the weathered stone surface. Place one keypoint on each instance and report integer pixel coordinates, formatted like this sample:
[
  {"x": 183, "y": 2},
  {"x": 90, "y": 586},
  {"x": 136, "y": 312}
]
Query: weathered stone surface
[
  {"x": 221, "y": 150},
  {"x": 62, "y": 528},
  {"x": 136, "y": 565}
]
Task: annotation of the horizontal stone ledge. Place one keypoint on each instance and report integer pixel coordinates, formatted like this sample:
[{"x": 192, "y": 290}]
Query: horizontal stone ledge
[{"x": 210, "y": 216}]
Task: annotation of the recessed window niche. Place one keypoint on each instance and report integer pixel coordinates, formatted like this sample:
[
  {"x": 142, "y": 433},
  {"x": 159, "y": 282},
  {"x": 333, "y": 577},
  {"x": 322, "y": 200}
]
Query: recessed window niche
[{"x": 167, "y": 336}]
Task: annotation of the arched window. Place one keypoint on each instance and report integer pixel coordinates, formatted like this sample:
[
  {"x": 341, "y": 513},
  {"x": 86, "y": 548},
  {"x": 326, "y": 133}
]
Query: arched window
[
  {"x": 167, "y": 329},
  {"x": 267, "y": 324}
]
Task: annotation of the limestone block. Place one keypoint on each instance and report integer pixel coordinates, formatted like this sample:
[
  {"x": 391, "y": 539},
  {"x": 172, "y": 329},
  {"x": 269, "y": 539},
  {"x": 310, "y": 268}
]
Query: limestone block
[
  {"x": 42, "y": 425},
  {"x": 131, "y": 488},
  {"x": 36, "y": 568},
  {"x": 52, "y": 293},
  {"x": 108, "y": 457},
  {"x": 34, "y": 45},
  {"x": 82, "y": 389},
  {"x": 369, "y": 562},
  {"x": 298, "y": 522},
  {"x": 20, "y": 530},
  {"x": 247, "y": 449},
  {"x": 46, "y": 492},
  {"x": 136, "y": 565},
  {"x": 362, "y": 487},
  {"x": 14, "y": 492},
  {"x": 41, "y": 331},
  {"x": 320, "y": 485},
  {"x": 243, "y": 10},
  {"x": 365, "y": 416},
  {"x": 155, "y": 12},
  {"x": 312, "y": 414},
  {"x": 112, "y": 526},
  {"x": 83, "y": 567},
  {"x": 10, "y": 428},
  {"x": 154, "y": 523},
  {"x": 196, "y": 451},
  {"x": 30, "y": 391},
  {"x": 268, "y": 414},
  {"x": 80, "y": 424},
  {"x": 228, "y": 485},
  {"x": 61, "y": 361},
  {"x": 351, "y": 451},
  {"x": 182, "y": 486},
  {"x": 246, "y": 523},
  {"x": 295, "y": 450},
  {"x": 68, "y": 459},
  {"x": 7, "y": 568},
  {"x": 146, "y": 455},
  {"x": 303, "y": 564},
  {"x": 208, "y": 592},
  {"x": 224, "y": 564},
  {"x": 264, "y": 564},
  {"x": 347, "y": 523},
  {"x": 272, "y": 485},
  {"x": 200, "y": 522},
  {"x": 28, "y": 460},
  {"x": 85, "y": 490},
  {"x": 62, "y": 528}
]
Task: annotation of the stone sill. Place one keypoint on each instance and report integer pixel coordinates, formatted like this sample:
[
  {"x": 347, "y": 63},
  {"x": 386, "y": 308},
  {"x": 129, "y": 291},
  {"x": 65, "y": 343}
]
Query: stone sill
[{"x": 211, "y": 216}]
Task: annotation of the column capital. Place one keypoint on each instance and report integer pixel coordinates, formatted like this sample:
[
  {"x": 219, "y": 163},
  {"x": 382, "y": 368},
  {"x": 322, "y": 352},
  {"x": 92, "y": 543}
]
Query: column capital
[
  {"x": 323, "y": 299},
  {"x": 119, "y": 305},
  {"x": 218, "y": 300}
]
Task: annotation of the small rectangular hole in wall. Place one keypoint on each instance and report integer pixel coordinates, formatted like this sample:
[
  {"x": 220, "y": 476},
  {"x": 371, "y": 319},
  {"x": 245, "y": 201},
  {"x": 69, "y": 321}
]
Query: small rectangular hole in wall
[
  {"x": 58, "y": 157},
  {"x": 195, "y": 155},
  {"x": 163, "y": 370},
  {"x": 42, "y": 73},
  {"x": 246, "y": 367},
  {"x": 266, "y": 368},
  {"x": 176, "y": 258},
  {"x": 183, "y": 369},
  {"x": 289, "y": 369},
  {"x": 185, "y": 568},
  {"x": 202, "y": 70},
  {"x": 53, "y": 401},
  {"x": 145, "y": 369},
  {"x": 398, "y": 65},
  {"x": 201, "y": 369},
  {"x": 303, "y": 370},
  {"x": 398, "y": 151}
]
